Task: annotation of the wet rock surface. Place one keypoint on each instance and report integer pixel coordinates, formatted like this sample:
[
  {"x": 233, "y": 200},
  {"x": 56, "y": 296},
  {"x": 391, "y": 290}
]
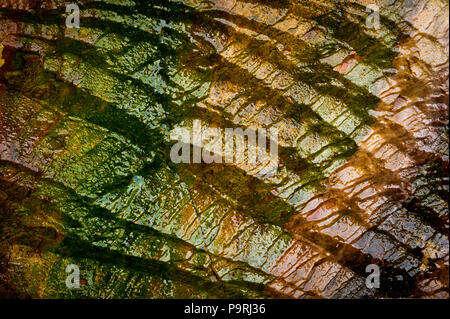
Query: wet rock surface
[{"x": 86, "y": 177}]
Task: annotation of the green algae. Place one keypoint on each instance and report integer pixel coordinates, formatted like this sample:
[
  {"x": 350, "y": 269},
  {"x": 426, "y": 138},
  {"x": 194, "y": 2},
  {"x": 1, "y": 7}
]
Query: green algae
[{"x": 99, "y": 104}]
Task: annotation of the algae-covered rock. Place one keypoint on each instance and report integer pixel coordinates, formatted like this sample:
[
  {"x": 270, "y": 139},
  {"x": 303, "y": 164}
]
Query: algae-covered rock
[{"x": 357, "y": 92}]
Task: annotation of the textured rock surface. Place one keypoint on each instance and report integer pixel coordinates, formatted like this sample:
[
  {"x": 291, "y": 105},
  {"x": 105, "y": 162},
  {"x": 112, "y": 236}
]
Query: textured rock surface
[{"x": 86, "y": 177}]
